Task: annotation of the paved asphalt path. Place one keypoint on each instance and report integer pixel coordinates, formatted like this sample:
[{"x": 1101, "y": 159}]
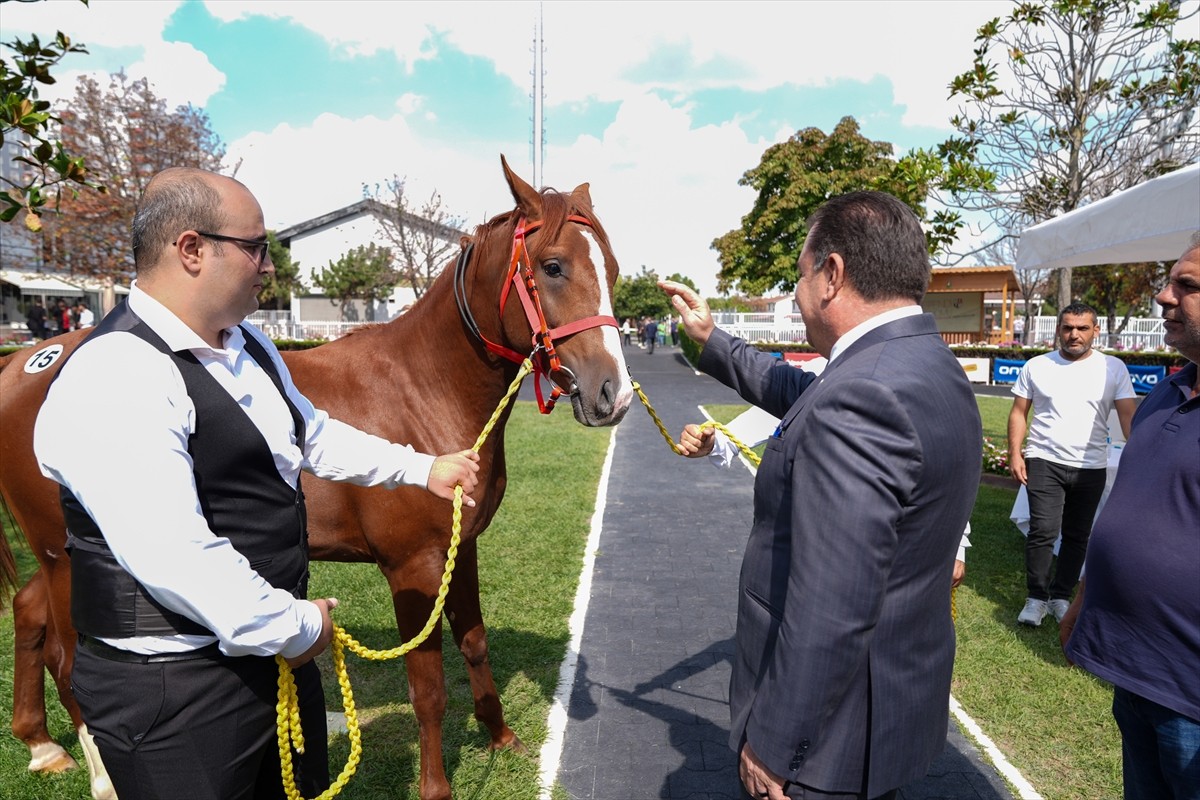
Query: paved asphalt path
[{"x": 648, "y": 714}]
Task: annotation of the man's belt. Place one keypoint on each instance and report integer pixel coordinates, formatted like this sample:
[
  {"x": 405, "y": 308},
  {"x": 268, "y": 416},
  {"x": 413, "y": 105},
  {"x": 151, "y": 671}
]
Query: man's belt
[{"x": 107, "y": 651}]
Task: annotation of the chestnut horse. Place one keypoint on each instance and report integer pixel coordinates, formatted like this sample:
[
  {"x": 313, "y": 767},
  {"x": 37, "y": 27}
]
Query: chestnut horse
[{"x": 431, "y": 378}]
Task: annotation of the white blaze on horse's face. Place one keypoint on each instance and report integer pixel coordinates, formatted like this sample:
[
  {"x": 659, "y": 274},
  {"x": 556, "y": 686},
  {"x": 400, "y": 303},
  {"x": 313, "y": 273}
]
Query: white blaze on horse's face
[{"x": 612, "y": 337}]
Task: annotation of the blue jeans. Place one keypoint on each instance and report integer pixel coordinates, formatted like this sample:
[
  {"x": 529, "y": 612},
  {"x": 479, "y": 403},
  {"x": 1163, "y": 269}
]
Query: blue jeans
[{"x": 1160, "y": 749}]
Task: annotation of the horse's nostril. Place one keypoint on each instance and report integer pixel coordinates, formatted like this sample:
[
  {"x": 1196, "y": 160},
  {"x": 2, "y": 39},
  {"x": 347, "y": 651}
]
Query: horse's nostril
[{"x": 605, "y": 400}]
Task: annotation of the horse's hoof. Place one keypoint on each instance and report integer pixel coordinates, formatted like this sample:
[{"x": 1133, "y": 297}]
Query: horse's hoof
[
  {"x": 50, "y": 758},
  {"x": 511, "y": 742}
]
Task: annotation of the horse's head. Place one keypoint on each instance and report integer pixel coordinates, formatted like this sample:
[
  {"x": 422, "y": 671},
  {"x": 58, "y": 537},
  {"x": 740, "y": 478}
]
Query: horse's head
[{"x": 556, "y": 291}]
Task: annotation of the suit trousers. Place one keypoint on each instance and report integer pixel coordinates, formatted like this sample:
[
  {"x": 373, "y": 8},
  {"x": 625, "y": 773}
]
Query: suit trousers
[
  {"x": 1060, "y": 498},
  {"x": 198, "y": 729}
]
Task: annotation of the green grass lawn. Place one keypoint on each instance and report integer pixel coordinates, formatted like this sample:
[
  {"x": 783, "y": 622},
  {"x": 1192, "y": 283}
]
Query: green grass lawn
[{"x": 1051, "y": 721}]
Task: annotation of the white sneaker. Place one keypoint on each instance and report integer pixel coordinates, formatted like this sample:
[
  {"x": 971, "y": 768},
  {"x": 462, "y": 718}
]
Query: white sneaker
[
  {"x": 1033, "y": 612},
  {"x": 1058, "y": 608}
]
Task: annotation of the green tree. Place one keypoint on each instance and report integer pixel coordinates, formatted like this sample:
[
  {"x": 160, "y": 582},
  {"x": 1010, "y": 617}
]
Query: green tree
[
  {"x": 1068, "y": 101},
  {"x": 364, "y": 273},
  {"x": 640, "y": 297},
  {"x": 1120, "y": 290},
  {"x": 27, "y": 121},
  {"x": 278, "y": 288},
  {"x": 795, "y": 177},
  {"x": 686, "y": 281},
  {"x": 739, "y": 304}
]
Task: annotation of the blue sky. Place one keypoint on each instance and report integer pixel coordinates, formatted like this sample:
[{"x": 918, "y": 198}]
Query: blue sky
[{"x": 660, "y": 106}]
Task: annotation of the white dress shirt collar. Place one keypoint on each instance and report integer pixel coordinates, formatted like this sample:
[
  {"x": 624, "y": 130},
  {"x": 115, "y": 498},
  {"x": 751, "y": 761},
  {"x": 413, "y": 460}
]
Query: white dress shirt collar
[
  {"x": 175, "y": 332},
  {"x": 863, "y": 328}
]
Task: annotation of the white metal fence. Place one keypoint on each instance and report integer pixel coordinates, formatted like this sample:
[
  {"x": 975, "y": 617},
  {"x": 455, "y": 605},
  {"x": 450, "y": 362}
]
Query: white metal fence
[{"x": 280, "y": 325}]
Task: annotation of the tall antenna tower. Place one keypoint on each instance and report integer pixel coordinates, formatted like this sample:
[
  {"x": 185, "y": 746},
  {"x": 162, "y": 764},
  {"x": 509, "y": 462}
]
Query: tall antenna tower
[{"x": 538, "y": 139}]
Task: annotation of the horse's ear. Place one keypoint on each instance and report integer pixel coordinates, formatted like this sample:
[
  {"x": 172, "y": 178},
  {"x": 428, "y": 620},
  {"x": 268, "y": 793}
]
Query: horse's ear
[
  {"x": 529, "y": 202},
  {"x": 582, "y": 196}
]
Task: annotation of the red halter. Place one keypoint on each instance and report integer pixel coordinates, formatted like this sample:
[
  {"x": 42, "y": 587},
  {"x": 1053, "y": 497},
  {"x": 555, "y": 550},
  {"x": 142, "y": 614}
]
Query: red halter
[{"x": 543, "y": 334}]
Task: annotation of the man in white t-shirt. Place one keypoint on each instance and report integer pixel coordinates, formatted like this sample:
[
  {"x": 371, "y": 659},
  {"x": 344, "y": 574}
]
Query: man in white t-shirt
[{"x": 1064, "y": 465}]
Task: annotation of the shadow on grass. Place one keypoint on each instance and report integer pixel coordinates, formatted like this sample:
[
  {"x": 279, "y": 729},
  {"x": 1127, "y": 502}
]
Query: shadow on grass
[{"x": 525, "y": 670}]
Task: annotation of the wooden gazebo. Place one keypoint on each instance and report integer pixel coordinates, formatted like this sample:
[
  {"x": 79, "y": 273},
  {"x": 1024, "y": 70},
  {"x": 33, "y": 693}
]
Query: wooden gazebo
[{"x": 955, "y": 298}]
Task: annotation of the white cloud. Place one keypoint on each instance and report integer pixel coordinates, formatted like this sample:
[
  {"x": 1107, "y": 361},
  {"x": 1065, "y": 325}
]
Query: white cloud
[
  {"x": 110, "y": 23},
  {"x": 179, "y": 73}
]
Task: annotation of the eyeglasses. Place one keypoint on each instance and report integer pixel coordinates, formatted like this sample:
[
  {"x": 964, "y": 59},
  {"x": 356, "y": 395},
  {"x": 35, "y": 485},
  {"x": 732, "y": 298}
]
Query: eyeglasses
[{"x": 249, "y": 246}]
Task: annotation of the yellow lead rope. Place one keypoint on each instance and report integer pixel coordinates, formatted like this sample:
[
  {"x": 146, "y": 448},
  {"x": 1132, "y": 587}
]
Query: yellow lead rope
[{"x": 287, "y": 708}]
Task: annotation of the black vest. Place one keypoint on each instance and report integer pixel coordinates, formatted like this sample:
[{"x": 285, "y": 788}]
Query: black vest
[{"x": 242, "y": 496}]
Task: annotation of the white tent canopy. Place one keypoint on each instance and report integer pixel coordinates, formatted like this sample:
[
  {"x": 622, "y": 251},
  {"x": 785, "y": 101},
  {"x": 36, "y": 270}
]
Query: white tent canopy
[
  {"x": 1153, "y": 221},
  {"x": 38, "y": 283}
]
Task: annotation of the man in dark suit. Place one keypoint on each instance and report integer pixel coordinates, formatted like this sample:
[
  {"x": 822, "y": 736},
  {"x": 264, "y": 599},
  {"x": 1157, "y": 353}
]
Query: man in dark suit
[{"x": 845, "y": 644}]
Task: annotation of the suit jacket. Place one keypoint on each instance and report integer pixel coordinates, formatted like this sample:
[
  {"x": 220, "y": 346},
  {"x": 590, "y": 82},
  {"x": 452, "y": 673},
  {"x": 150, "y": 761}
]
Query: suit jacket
[{"x": 845, "y": 644}]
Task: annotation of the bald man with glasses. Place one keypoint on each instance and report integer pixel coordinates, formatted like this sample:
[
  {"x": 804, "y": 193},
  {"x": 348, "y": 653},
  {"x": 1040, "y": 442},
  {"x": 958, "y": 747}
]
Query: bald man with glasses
[{"x": 186, "y": 522}]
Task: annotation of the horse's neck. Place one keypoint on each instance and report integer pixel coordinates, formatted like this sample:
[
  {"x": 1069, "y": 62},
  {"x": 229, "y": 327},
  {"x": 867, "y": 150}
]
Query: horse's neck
[{"x": 443, "y": 355}]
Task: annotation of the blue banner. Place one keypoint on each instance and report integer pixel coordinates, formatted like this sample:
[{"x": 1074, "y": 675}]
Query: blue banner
[
  {"x": 1005, "y": 370},
  {"x": 1145, "y": 378}
]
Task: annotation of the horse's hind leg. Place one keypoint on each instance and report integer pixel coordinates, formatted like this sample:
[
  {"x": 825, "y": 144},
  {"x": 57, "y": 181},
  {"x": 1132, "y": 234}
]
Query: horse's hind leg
[
  {"x": 33, "y": 651},
  {"x": 466, "y": 622}
]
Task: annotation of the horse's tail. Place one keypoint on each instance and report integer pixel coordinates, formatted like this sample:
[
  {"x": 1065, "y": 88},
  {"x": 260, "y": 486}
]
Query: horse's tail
[{"x": 8, "y": 564}]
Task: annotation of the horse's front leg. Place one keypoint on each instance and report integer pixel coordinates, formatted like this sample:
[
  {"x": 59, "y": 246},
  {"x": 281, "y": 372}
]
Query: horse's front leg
[
  {"x": 466, "y": 622},
  {"x": 31, "y": 652},
  {"x": 413, "y": 591}
]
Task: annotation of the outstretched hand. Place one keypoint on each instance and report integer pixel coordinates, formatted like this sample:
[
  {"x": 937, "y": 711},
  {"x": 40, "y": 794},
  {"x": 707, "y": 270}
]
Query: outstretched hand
[
  {"x": 454, "y": 469},
  {"x": 696, "y": 318}
]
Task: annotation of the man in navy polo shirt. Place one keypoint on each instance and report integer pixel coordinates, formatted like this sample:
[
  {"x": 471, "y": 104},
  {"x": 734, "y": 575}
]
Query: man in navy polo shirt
[{"x": 1137, "y": 625}]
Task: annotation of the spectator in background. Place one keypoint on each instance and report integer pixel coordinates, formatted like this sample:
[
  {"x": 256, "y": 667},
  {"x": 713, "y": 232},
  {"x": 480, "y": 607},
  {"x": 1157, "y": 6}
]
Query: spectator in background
[
  {"x": 1065, "y": 463},
  {"x": 83, "y": 315},
  {"x": 627, "y": 330},
  {"x": 63, "y": 314},
  {"x": 35, "y": 318},
  {"x": 651, "y": 333},
  {"x": 674, "y": 332},
  {"x": 1136, "y": 621},
  {"x": 1019, "y": 329}
]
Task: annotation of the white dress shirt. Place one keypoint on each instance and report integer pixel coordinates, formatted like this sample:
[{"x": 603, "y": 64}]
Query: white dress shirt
[{"x": 114, "y": 430}]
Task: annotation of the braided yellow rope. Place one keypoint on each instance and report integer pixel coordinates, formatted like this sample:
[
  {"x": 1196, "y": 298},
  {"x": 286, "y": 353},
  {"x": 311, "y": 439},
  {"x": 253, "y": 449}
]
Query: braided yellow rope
[
  {"x": 746, "y": 451},
  {"x": 287, "y": 708}
]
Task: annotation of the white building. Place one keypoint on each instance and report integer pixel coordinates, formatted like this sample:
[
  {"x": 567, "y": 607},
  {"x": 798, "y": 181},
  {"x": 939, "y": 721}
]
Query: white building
[{"x": 316, "y": 242}]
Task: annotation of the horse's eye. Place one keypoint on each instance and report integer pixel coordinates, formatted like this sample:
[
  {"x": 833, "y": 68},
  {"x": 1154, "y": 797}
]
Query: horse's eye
[{"x": 552, "y": 269}]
